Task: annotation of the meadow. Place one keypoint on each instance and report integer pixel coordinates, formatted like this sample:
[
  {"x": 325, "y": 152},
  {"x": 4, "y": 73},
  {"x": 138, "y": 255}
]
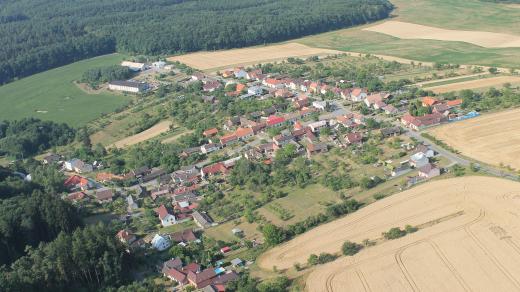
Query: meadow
[{"x": 52, "y": 95}]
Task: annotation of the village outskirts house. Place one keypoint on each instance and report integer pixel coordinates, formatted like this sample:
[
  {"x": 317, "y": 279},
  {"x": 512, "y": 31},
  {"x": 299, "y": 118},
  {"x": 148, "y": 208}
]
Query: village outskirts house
[
  {"x": 166, "y": 218},
  {"x": 78, "y": 166},
  {"x": 104, "y": 195},
  {"x": 160, "y": 242},
  {"x": 428, "y": 171}
]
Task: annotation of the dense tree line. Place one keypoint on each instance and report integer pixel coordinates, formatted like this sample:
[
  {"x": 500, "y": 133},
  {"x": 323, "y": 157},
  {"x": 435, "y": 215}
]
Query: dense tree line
[
  {"x": 29, "y": 220},
  {"x": 51, "y": 33},
  {"x": 106, "y": 74},
  {"x": 29, "y": 136},
  {"x": 89, "y": 258}
]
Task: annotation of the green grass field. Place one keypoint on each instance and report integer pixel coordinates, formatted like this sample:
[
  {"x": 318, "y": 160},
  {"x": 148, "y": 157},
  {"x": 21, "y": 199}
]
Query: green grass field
[
  {"x": 51, "y": 95},
  {"x": 451, "y": 14}
]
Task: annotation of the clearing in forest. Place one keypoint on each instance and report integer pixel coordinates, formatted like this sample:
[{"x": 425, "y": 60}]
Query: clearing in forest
[
  {"x": 491, "y": 138},
  {"x": 248, "y": 56},
  {"x": 406, "y": 30},
  {"x": 468, "y": 240},
  {"x": 150, "y": 133}
]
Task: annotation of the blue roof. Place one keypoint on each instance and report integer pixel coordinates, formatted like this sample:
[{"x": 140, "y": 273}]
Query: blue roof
[{"x": 219, "y": 270}]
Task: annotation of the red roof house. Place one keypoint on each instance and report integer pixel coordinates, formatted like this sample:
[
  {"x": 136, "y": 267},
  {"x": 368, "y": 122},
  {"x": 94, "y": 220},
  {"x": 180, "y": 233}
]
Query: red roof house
[{"x": 275, "y": 121}]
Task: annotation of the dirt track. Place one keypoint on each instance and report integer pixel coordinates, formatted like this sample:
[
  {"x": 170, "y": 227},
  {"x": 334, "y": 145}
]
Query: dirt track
[
  {"x": 406, "y": 30},
  {"x": 143, "y": 136},
  {"x": 490, "y": 138},
  {"x": 246, "y": 56},
  {"x": 470, "y": 241}
]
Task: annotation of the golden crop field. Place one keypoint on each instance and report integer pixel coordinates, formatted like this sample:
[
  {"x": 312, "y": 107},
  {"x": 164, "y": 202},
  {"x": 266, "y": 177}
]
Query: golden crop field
[
  {"x": 492, "y": 138},
  {"x": 247, "y": 56},
  {"x": 468, "y": 240}
]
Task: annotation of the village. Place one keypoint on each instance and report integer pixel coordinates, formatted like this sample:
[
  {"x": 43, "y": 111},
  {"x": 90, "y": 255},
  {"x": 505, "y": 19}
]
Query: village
[{"x": 322, "y": 116}]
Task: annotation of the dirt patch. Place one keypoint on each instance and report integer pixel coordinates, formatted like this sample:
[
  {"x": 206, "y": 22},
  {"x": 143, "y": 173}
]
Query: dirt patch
[
  {"x": 458, "y": 253},
  {"x": 154, "y": 131},
  {"x": 473, "y": 84},
  {"x": 492, "y": 138},
  {"x": 406, "y": 30},
  {"x": 247, "y": 56}
]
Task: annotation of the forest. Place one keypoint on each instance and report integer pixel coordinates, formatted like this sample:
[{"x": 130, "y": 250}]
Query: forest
[
  {"x": 44, "y": 34},
  {"x": 29, "y": 136}
]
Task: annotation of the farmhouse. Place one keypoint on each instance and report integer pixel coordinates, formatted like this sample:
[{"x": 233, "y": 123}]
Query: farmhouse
[
  {"x": 392, "y": 131},
  {"x": 211, "y": 147},
  {"x": 228, "y": 139},
  {"x": 244, "y": 133},
  {"x": 128, "y": 86},
  {"x": 255, "y": 90},
  {"x": 51, "y": 158}
]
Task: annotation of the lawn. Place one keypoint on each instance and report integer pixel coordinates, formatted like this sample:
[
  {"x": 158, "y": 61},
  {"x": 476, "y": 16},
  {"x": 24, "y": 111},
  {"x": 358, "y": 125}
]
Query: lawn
[
  {"x": 446, "y": 82},
  {"x": 300, "y": 203},
  {"x": 52, "y": 95},
  {"x": 471, "y": 15}
]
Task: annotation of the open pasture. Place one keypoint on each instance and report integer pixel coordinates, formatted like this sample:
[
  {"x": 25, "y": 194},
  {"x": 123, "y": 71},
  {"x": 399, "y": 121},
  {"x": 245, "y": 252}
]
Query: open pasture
[
  {"x": 248, "y": 56},
  {"x": 52, "y": 95},
  {"x": 491, "y": 138},
  {"x": 468, "y": 240}
]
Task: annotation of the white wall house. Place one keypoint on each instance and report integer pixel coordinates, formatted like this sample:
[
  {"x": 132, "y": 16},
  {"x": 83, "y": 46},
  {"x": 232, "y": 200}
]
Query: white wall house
[
  {"x": 160, "y": 243},
  {"x": 127, "y": 86}
]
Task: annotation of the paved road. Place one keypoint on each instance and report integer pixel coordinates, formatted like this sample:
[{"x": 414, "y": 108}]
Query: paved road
[{"x": 457, "y": 159}]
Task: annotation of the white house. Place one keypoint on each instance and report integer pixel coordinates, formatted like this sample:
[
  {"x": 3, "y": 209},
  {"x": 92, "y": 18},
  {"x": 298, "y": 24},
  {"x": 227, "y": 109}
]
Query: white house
[
  {"x": 321, "y": 105},
  {"x": 166, "y": 218},
  {"x": 256, "y": 90},
  {"x": 240, "y": 73},
  {"x": 134, "y": 66},
  {"x": 208, "y": 148},
  {"x": 160, "y": 243},
  {"x": 78, "y": 166},
  {"x": 358, "y": 94},
  {"x": 127, "y": 86},
  {"x": 316, "y": 126},
  {"x": 419, "y": 160}
]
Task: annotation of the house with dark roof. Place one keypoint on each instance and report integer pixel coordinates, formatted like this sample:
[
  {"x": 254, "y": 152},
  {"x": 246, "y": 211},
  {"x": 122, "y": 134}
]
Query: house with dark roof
[
  {"x": 104, "y": 195},
  {"x": 202, "y": 279},
  {"x": 202, "y": 219},
  {"x": 315, "y": 148}
]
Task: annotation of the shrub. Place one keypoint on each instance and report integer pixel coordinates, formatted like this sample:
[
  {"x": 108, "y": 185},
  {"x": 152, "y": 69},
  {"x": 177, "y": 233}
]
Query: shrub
[{"x": 350, "y": 248}]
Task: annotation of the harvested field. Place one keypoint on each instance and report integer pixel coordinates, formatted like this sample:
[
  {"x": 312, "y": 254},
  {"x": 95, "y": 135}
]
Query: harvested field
[
  {"x": 474, "y": 84},
  {"x": 406, "y": 30},
  {"x": 247, "y": 56},
  {"x": 468, "y": 240},
  {"x": 154, "y": 131},
  {"x": 492, "y": 138}
]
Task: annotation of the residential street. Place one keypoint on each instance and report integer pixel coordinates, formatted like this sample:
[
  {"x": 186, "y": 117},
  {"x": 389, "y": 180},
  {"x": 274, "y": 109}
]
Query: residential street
[{"x": 457, "y": 159}]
